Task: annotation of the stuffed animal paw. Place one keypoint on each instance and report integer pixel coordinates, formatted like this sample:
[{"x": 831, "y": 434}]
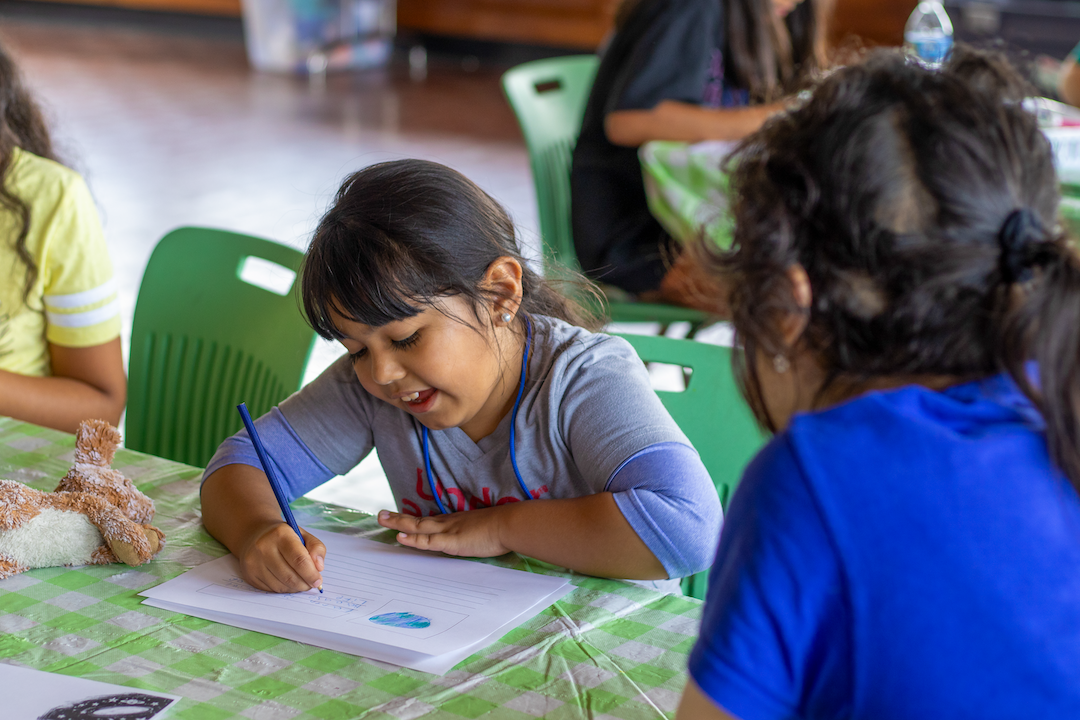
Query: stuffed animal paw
[{"x": 95, "y": 516}]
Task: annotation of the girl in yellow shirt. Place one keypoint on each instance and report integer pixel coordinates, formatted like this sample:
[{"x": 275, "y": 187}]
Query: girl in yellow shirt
[{"x": 60, "y": 358}]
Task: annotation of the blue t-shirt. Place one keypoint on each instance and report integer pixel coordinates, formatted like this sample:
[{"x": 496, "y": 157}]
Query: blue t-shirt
[{"x": 907, "y": 554}]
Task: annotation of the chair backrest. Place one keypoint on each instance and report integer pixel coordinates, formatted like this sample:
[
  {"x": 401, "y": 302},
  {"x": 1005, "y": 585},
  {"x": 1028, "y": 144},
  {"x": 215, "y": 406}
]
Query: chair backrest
[
  {"x": 711, "y": 411},
  {"x": 215, "y": 324},
  {"x": 548, "y": 97}
]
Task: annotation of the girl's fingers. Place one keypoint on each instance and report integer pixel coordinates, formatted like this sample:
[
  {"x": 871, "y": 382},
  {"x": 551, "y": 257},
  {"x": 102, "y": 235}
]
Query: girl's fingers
[
  {"x": 283, "y": 564},
  {"x": 282, "y": 578},
  {"x": 317, "y": 552},
  {"x": 433, "y": 542},
  {"x": 409, "y": 524},
  {"x": 301, "y": 564}
]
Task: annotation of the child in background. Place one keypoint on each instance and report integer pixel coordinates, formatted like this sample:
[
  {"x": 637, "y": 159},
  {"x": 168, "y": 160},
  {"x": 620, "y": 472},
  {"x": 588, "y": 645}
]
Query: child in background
[
  {"x": 909, "y": 316},
  {"x": 687, "y": 70},
  {"x": 60, "y": 357},
  {"x": 465, "y": 371}
]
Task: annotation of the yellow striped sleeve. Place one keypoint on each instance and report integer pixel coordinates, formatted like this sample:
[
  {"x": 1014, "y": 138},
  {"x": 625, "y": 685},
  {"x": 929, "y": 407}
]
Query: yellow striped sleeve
[
  {"x": 84, "y": 319},
  {"x": 82, "y": 307}
]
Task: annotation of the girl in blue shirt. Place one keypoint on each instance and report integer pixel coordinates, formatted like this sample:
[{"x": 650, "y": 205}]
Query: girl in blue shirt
[{"x": 908, "y": 544}]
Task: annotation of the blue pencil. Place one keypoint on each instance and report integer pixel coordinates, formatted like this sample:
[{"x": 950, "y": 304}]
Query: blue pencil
[{"x": 271, "y": 475}]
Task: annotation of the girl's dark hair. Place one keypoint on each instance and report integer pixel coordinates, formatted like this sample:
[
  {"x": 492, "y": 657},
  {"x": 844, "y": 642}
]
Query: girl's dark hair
[
  {"x": 923, "y": 206},
  {"x": 760, "y": 57},
  {"x": 21, "y": 126},
  {"x": 402, "y": 234}
]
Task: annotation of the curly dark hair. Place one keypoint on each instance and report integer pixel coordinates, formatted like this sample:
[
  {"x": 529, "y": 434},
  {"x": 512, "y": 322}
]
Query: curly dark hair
[
  {"x": 922, "y": 205},
  {"x": 21, "y": 126},
  {"x": 402, "y": 234}
]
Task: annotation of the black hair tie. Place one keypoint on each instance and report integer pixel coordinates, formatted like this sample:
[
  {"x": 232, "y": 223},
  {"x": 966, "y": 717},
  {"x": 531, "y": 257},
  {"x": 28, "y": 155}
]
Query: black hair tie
[{"x": 1018, "y": 233}]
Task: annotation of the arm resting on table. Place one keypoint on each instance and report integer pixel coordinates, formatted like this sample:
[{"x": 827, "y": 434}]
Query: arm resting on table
[
  {"x": 666, "y": 495},
  {"x": 587, "y": 534},
  {"x": 659, "y": 518},
  {"x": 86, "y": 383},
  {"x": 240, "y": 510},
  {"x": 684, "y": 122}
]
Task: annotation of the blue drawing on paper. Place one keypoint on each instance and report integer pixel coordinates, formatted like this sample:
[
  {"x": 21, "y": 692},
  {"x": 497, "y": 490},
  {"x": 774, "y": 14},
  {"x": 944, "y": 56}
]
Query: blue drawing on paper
[{"x": 407, "y": 620}]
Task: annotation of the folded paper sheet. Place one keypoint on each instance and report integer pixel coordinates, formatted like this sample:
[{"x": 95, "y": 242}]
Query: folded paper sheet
[{"x": 423, "y": 611}]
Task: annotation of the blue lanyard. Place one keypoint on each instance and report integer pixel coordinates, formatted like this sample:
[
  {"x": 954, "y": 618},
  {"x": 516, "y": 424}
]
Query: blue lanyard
[{"x": 513, "y": 421}]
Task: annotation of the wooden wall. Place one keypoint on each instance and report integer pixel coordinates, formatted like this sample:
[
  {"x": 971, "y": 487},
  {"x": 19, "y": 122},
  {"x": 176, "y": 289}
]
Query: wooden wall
[
  {"x": 229, "y": 8},
  {"x": 576, "y": 24},
  {"x": 573, "y": 24},
  {"x": 875, "y": 22},
  {"x": 582, "y": 24}
]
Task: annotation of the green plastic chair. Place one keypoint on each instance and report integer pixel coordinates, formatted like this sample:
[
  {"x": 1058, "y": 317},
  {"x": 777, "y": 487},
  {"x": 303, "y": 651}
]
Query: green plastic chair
[
  {"x": 549, "y": 97},
  {"x": 712, "y": 413},
  {"x": 205, "y": 339}
]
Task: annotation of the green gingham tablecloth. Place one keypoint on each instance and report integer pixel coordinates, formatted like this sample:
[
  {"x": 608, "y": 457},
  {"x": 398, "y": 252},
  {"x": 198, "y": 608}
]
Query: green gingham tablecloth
[
  {"x": 686, "y": 190},
  {"x": 607, "y": 650}
]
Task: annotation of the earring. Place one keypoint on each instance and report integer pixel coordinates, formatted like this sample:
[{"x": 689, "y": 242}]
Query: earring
[
  {"x": 780, "y": 364},
  {"x": 506, "y": 317}
]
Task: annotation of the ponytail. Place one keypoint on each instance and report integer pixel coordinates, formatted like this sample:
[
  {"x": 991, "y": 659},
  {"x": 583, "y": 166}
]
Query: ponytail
[{"x": 1044, "y": 327}]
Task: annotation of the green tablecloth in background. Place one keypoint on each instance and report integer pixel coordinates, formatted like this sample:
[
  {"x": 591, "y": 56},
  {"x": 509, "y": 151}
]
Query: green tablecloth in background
[
  {"x": 686, "y": 189},
  {"x": 607, "y": 650}
]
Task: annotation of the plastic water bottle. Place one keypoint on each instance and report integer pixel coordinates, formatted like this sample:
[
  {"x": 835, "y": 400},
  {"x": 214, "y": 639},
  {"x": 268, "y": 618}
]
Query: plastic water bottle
[{"x": 928, "y": 33}]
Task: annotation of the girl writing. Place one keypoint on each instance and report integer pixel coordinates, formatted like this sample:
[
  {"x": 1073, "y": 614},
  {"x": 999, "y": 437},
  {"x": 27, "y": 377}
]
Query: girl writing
[
  {"x": 909, "y": 314},
  {"x": 60, "y": 358},
  {"x": 686, "y": 70},
  {"x": 501, "y": 426}
]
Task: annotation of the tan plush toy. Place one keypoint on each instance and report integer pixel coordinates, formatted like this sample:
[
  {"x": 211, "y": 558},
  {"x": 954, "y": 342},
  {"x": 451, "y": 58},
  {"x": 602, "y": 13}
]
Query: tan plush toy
[{"x": 95, "y": 516}]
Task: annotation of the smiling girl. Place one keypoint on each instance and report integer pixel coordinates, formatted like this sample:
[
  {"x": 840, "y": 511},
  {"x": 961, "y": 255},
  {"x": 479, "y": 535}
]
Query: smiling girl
[{"x": 501, "y": 426}]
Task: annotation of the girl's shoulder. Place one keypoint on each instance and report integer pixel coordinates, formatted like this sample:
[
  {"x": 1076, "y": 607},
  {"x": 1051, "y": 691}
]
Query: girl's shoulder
[
  {"x": 53, "y": 191},
  {"x": 31, "y": 176},
  {"x": 557, "y": 342},
  {"x": 940, "y": 436},
  {"x": 967, "y": 408},
  {"x": 570, "y": 361}
]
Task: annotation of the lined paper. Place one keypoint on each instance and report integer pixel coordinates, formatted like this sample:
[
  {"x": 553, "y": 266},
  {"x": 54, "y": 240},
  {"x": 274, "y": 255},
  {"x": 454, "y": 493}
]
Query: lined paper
[{"x": 378, "y": 601}]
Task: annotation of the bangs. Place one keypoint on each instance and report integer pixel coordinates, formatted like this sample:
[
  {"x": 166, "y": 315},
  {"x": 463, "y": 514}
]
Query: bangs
[{"x": 362, "y": 276}]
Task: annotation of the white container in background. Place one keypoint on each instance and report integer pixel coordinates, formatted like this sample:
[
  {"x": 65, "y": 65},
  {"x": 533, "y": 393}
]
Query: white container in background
[{"x": 302, "y": 35}]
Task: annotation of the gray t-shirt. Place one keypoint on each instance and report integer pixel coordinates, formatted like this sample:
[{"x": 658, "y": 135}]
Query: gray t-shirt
[
  {"x": 589, "y": 422},
  {"x": 587, "y": 407}
]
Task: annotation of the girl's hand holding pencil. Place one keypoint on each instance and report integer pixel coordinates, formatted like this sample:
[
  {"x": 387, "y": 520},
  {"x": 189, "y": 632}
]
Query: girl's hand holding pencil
[
  {"x": 279, "y": 557},
  {"x": 276, "y": 561}
]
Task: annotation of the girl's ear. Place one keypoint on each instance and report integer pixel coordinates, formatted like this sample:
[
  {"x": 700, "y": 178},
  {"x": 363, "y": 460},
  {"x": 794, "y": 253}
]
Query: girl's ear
[
  {"x": 793, "y": 324},
  {"x": 503, "y": 281}
]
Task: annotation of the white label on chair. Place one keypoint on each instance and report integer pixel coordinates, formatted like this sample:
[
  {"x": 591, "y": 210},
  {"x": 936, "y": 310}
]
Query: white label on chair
[{"x": 266, "y": 275}]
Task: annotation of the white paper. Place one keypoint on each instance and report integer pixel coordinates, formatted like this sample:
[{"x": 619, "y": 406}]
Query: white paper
[
  {"x": 390, "y": 603},
  {"x": 33, "y": 694},
  {"x": 434, "y": 664}
]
